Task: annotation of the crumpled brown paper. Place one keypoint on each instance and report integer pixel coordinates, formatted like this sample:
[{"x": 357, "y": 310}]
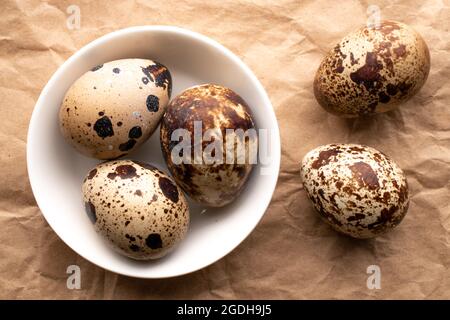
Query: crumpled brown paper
[{"x": 291, "y": 254}]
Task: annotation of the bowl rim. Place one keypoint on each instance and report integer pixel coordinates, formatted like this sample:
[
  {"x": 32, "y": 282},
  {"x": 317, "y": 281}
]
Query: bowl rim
[{"x": 275, "y": 158}]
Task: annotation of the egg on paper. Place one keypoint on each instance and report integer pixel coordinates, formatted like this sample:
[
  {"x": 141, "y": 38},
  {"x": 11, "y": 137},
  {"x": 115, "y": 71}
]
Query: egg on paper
[
  {"x": 356, "y": 189},
  {"x": 372, "y": 70}
]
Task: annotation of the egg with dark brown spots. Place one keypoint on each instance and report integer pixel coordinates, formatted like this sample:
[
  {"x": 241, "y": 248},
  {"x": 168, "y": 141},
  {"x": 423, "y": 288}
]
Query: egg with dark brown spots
[
  {"x": 115, "y": 107},
  {"x": 356, "y": 189},
  {"x": 209, "y": 141},
  {"x": 136, "y": 207},
  {"x": 372, "y": 70}
]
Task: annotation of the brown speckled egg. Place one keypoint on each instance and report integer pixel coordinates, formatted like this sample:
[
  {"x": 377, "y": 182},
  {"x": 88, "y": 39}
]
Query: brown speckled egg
[
  {"x": 216, "y": 179},
  {"x": 115, "y": 107},
  {"x": 372, "y": 70},
  {"x": 356, "y": 189},
  {"x": 136, "y": 207}
]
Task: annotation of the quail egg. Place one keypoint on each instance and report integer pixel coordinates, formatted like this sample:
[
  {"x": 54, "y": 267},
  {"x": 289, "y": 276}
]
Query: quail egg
[
  {"x": 136, "y": 207},
  {"x": 372, "y": 70},
  {"x": 115, "y": 107},
  {"x": 209, "y": 142},
  {"x": 356, "y": 189}
]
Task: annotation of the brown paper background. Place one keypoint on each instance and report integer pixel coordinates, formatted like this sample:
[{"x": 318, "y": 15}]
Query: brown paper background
[{"x": 291, "y": 254}]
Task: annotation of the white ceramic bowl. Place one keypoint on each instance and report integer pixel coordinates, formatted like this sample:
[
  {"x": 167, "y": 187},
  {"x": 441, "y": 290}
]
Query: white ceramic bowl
[{"x": 56, "y": 170}]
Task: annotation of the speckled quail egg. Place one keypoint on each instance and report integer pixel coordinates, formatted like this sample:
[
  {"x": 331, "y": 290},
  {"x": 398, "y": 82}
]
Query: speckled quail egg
[
  {"x": 372, "y": 70},
  {"x": 217, "y": 127},
  {"x": 356, "y": 189},
  {"x": 115, "y": 107},
  {"x": 136, "y": 207}
]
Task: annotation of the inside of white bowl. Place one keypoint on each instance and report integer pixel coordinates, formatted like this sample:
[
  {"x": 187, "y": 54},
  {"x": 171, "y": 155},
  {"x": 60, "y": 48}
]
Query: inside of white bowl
[{"x": 56, "y": 170}]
